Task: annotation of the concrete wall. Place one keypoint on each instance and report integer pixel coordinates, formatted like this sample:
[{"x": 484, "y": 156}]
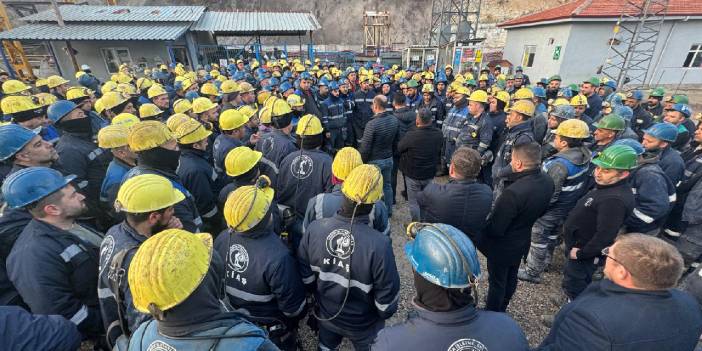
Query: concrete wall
[
  {"x": 586, "y": 47},
  {"x": 89, "y": 53},
  {"x": 545, "y": 38}
]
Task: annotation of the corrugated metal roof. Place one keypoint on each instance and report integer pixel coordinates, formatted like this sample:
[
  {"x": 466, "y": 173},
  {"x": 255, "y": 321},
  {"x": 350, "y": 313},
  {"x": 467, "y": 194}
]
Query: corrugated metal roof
[
  {"x": 256, "y": 22},
  {"x": 97, "y": 31},
  {"x": 94, "y": 13}
]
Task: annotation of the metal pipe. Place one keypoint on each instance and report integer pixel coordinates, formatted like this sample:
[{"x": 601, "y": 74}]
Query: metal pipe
[
  {"x": 10, "y": 70},
  {"x": 69, "y": 48},
  {"x": 660, "y": 54}
]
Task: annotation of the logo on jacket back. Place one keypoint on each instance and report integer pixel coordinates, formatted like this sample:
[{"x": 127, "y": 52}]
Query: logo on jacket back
[
  {"x": 467, "y": 345},
  {"x": 238, "y": 258},
  {"x": 301, "y": 167},
  {"x": 108, "y": 245},
  {"x": 159, "y": 345},
  {"x": 340, "y": 243}
]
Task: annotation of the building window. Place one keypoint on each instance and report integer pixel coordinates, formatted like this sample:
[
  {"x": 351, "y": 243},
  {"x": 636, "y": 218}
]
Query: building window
[
  {"x": 694, "y": 57},
  {"x": 528, "y": 57},
  {"x": 114, "y": 57}
]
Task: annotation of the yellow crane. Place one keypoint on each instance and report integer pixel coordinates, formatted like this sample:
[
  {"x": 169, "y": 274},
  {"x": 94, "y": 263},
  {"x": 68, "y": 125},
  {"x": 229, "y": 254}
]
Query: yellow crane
[{"x": 13, "y": 49}]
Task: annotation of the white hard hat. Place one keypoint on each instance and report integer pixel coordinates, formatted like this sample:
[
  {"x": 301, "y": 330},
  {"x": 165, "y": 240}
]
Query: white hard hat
[{"x": 84, "y": 67}]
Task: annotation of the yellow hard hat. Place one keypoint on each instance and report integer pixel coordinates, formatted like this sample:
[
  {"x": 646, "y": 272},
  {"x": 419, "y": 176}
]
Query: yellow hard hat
[
  {"x": 126, "y": 88},
  {"x": 149, "y": 110},
  {"x": 147, "y": 72},
  {"x": 429, "y": 75},
  {"x": 265, "y": 115},
  {"x": 175, "y": 120},
  {"x": 262, "y": 96},
  {"x": 186, "y": 84},
  {"x": 98, "y": 106},
  {"x": 191, "y": 131},
  {"x": 479, "y": 96},
  {"x": 113, "y": 136},
  {"x": 147, "y": 135},
  {"x": 41, "y": 82},
  {"x": 345, "y": 161},
  {"x": 114, "y": 78},
  {"x": 309, "y": 125},
  {"x": 248, "y": 205},
  {"x": 112, "y": 99},
  {"x": 19, "y": 103},
  {"x": 573, "y": 128},
  {"x": 179, "y": 70},
  {"x": 523, "y": 93},
  {"x": 124, "y": 78},
  {"x": 240, "y": 160},
  {"x": 247, "y": 111},
  {"x": 182, "y": 106},
  {"x": 74, "y": 93},
  {"x": 14, "y": 86},
  {"x": 280, "y": 107},
  {"x": 578, "y": 100},
  {"x": 245, "y": 87},
  {"x": 525, "y": 107},
  {"x": 203, "y": 104},
  {"x": 503, "y": 96},
  {"x": 167, "y": 268},
  {"x": 468, "y": 76},
  {"x": 295, "y": 101},
  {"x": 144, "y": 83},
  {"x": 483, "y": 77},
  {"x": 462, "y": 90},
  {"x": 232, "y": 119},
  {"x": 427, "y": 88},
  {"x": 125, "y": 119},
  {"x": 155, "y": 90},
  {"x": 54, "y": 81},
  {"x": 229, "y": 86},
  {"x": 46, "y": 99},
  {"x": 299, "y": 68},
  {"x": 214, "y": 73},
  {"x": 108, "y": 86},
  {"x": 147, "y": 193},
  {"x": 209, "y": 89},
  {"x": 364, "y": 184},
  {"x": 560, "y": 101}
]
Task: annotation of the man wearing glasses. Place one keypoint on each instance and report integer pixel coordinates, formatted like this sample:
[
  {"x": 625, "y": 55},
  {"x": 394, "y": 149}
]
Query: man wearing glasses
[{"x": 635, "y": 308}]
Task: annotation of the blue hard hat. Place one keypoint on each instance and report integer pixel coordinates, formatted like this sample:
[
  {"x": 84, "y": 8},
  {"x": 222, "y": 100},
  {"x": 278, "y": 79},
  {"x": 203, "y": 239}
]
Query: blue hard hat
[
  {"x": 385, "y": 80},
  {"x": 683, "y": 108},
  {"x": 60, "y": 109},
  {"x": 634, "y": 144},
  {"x": 368, "y": 65},
  {"x": 441, "y": 77},
  {"x": 323, "y": 82},
  {"x": 518, "y": 68},
  {"x": 544, "y": 81},
  {"x": 612, "y": 84},
  {"x": 231, "y": 67},
  {"x": 285, "y": 86},
  {"x": 287, "y": 75},
  {"x": 615, "y": 99},
  {"x": 563, "y": 111},
  {"x": 566, "y": 92},
  {"x": 208, "y": 67},
  {"x": 624, "y": 112},
  {"x": 539, "y": 92},
  {"x": 635, "y": 94},
  {"x": 32, "y": 184},
  {"x": 333, "y": 85},
  {"x": 192, "y": 95},
  {"x": 443, "y": 255},
  {"x": 343, "y": 81},
  {"x": 13, "y": 138},
  {"x": 663, "y": 131},
  {"x": 274, "y": 81},
  {"x": 305, "y": 76}
]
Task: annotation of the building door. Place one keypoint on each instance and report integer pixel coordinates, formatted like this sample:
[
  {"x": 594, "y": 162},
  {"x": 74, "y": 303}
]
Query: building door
[{"x": 180, "y": 54}]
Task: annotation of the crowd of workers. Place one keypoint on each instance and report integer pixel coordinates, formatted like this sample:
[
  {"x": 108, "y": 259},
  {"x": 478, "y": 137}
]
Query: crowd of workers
[{"x": 219, "y": 208}]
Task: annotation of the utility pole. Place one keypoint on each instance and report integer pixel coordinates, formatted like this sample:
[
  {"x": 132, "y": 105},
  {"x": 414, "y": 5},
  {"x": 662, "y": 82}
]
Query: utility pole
[{"x": 69, "y": 48}]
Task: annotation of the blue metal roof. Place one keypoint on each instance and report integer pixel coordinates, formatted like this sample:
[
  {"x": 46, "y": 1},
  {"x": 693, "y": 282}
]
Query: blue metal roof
[
  {"x": 97, "y": 31},
  {"x": 256, "y": 22},
  {"x": 94, "y": 13}
]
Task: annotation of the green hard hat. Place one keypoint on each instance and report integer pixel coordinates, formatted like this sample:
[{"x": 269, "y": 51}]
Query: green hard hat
[
  {"x": 471, "y": 82},
  {"x": 594, "y": 81},
  {"x": 658, "y": 92},
  {"x": 555, "y": 77},
  {"x": 574, "y": 87},
  {"x": 681, "y": 99},
  {"x": 616, "y": 157},
  {"x": 612, "y": 122},
  {"x": 412, "y": 83}
]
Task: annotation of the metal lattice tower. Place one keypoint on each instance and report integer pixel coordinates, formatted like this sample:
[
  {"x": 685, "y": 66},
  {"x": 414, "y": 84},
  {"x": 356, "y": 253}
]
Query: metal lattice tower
[
  {"x": 452, "y": 22},
  {"x": 633, "y": 42},
  {"x": 376, "y": 29}
]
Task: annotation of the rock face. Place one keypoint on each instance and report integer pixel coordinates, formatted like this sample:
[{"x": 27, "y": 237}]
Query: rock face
[{"x": 342, "y": 21}]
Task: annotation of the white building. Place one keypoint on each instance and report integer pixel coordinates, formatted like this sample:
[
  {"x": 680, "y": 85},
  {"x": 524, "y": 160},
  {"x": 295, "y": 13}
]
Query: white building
[{"x": 572, "y": 40}]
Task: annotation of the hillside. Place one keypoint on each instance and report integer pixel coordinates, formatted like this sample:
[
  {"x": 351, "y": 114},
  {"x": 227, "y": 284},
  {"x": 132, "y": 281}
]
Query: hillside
[{"x": 342, "y": 21}]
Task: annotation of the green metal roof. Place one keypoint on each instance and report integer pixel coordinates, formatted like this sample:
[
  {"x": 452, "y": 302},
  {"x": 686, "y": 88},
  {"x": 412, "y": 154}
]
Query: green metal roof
[
  {"x": 246, "y": 23},
  {"x": 97, "y": 31},
  {"x": 95, "y": 13}
]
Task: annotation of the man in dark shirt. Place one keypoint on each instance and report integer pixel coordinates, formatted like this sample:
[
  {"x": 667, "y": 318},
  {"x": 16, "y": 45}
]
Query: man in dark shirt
[
  {"x": 379, "y": 143},
  {"x": 595, "y": 220},
  {"x": 420, "y": 153}
]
